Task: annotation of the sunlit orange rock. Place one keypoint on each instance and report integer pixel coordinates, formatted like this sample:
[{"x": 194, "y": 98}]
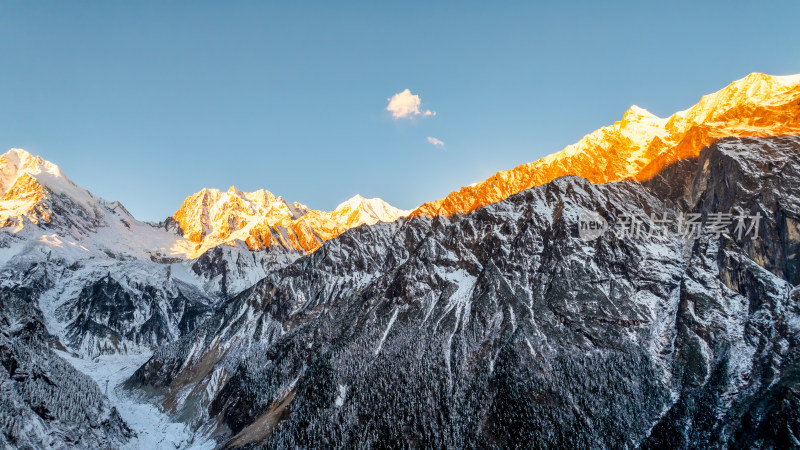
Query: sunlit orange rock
[
  {"x": 261, "y": 220},
  {"x": 21, "y": 195},
  {"x": 641, "y": 144}
]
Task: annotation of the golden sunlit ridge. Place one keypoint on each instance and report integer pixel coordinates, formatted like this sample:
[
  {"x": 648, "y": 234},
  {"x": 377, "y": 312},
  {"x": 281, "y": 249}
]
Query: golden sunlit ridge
[{"x": 640, "y": 145}]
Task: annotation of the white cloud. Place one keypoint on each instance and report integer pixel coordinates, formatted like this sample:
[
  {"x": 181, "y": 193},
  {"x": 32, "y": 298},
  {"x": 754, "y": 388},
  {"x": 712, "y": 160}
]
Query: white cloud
[
  {"x": 435, "y": 142},
  {"x": 405, "y": 104}
]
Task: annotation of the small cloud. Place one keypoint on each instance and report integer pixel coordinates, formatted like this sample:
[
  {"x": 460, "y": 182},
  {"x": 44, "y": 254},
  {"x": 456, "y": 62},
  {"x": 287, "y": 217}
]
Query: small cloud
[
  {"x": 405, "y": 104},
  {"x": 435, "y": 142}
]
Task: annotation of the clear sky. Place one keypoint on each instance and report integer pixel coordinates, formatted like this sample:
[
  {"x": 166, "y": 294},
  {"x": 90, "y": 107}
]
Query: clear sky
[{"x": 148, "y": 102}]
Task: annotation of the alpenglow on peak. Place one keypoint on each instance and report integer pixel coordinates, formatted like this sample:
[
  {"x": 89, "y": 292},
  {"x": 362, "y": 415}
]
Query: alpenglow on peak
[{"x": 260, "y": 219}]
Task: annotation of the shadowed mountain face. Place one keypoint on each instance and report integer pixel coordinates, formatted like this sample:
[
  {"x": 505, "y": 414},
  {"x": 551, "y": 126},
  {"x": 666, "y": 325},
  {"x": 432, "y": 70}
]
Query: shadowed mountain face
[{"x": 506, "y": 328}]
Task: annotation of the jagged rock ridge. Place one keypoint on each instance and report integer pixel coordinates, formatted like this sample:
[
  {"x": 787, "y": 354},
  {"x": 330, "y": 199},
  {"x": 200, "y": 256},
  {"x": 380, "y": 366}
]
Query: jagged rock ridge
[{"x": 641, "y": 144}]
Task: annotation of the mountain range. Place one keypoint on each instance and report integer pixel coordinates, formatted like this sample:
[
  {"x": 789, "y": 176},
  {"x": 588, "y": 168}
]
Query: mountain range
[{"x": 481, "y": 320}]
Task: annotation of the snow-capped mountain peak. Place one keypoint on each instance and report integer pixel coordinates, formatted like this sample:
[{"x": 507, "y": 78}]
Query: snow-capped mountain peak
[
  {"x": 260, "y": 219},
  {"x": 354, "y": 200},
  {"x": 30, "y": 185},
  {"x": 36, "y": 192},
  {"x": 369, "y": 210},
  {"x": 41, "y": 207}
]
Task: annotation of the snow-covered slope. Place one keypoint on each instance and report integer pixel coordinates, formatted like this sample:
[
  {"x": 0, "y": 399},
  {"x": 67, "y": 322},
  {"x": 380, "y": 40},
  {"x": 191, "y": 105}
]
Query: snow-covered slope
[{"x": 44, "y": 401}]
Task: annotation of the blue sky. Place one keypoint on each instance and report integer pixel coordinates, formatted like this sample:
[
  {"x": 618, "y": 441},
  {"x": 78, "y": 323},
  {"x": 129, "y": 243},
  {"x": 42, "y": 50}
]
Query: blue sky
[{"x": 148, "y": 102}]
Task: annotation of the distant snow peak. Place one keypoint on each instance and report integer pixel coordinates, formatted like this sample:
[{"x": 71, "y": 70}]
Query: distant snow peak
[
  {"x": 17, "y": 162},
  {"x": 640, "y": 111},
  {"x": 374, "y": 206},
  {"x": 359, "y": 211},
  {"x": 39, "y": 200},
  {"x": 260, "y": 220},
  {"x": 30, "y": 186},
  {"x": 635, "y": 114}
]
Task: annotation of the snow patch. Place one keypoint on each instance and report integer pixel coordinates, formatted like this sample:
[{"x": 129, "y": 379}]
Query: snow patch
[
  {"x": 386, "y": 333},
  {"x": 342, "y": 394}
]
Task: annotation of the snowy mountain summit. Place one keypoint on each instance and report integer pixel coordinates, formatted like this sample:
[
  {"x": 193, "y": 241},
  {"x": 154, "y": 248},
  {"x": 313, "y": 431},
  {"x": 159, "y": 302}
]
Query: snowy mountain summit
[
  {"x": 261, "y": 220},
  {"x": 40, "y": 206},
  {"x": 29, "y": 185}
]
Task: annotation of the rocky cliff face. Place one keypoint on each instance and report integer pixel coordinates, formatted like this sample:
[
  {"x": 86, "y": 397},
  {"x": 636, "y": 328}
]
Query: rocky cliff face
[{"x": 504, "y": 327}]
